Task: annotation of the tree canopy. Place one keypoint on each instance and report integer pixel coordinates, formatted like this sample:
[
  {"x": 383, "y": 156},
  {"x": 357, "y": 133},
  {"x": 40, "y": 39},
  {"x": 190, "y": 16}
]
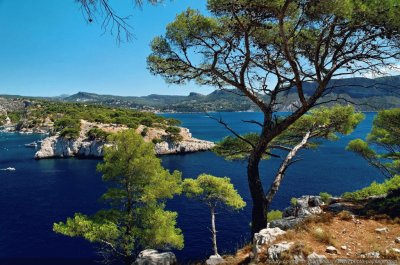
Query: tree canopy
[
  {"x": 135, "y": 218},
  {"x": 382, "y": 146},
  {"x": 264, "y": 49},
  {"x": 322, "y": 123},
  {"x": 214, "y": 191}
]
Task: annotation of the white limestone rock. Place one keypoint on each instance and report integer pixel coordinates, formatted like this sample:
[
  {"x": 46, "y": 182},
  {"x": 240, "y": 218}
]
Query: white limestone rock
[
  {"x": 382, "y": 230},
  {"x": 215, "y": 260},
  {"x": 153, "y": 257},
  {"x": 56, "y": 146},
  {"x": 331, "y": 250},
  {"x": 267, "y": 235},
  {"x": 315, "y": 259},
  {"x": 275, "y": 251}
]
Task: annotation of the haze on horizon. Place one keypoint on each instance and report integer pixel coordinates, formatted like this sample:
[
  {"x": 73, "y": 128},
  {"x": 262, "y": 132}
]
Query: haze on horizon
[{"x": 48, "y": 49}]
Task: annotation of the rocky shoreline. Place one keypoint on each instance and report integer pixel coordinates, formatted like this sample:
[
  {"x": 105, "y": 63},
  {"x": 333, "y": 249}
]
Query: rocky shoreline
[{"x": 58, "y": 147}]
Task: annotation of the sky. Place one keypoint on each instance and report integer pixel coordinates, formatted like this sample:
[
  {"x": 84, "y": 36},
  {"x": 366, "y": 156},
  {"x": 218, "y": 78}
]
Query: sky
[{"x": 47, "y": 48}]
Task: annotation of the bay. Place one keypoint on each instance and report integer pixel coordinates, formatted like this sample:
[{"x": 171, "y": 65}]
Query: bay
[{"x": 40, "y": 193}]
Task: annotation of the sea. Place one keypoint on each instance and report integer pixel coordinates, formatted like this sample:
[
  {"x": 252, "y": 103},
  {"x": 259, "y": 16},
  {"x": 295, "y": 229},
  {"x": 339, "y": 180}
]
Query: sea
[{"x": 41, "y": 192}]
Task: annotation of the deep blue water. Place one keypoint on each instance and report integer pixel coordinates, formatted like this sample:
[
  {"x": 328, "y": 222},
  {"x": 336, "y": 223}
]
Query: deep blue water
[{"x": 40, "y": 193}]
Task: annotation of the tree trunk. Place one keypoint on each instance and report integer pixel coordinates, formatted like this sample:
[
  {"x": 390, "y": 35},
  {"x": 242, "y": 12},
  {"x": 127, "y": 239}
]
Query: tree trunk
[
  {"x": 282, "y": 170},
  {"x": 259, "y": 215},
  {"x": 214, "y": 231}
]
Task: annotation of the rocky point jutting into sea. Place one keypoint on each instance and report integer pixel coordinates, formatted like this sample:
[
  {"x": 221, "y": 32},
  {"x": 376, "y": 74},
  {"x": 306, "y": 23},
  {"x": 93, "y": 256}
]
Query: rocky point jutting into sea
[{"x": 59, "y": 147}]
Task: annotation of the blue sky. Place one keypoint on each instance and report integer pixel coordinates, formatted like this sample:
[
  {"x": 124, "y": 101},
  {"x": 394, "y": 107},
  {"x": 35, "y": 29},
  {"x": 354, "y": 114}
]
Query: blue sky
[{"x": 47, "y": 49}]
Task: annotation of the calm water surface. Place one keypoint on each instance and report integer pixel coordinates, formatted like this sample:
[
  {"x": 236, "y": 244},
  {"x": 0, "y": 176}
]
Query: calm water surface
[{"x": 40, "y": 193}]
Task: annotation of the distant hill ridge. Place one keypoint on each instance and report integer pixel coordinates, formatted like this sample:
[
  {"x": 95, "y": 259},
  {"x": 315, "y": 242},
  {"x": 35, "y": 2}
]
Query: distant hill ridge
[{"x": 368, "y": 94}]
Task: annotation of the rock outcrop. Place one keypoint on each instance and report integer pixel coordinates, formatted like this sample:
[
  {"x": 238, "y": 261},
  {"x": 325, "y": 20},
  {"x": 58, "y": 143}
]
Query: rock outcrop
[
  {"x": 214, "y": 260},
  {"x": 275, "y": 251},
  {"x": 293, "y": 215},
  {"x": 264, "y": 237},
  {"x": 153, "y": 257},
  {"x": 59, "y": 147},
  {"x": 185, "y": 146},
  {"x": 56, "y": 146}
]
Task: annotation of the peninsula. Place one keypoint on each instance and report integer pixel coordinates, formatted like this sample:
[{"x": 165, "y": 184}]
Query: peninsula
[{"x": 81, "y": 130}]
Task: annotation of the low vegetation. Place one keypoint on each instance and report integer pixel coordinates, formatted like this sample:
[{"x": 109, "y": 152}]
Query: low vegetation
[
  {"x": 325, "y": 196},
  {"x": 65, "y": 119},
  {"x": 375, "y": 189},
  {"x": 97, "y": 134},
  {"x": 274, "y": 215}
]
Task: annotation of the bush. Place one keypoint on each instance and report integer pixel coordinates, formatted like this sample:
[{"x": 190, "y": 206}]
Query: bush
[
  {"x": 97, "y": 134},
  {"x": 174, "y": 133},
  {"x": 173, "y": 130},
  {"x": 144, "y": 131},
  {"x": 146, "y": 122},
  {"x": 156, "y": 140},
  {"x": 70, "y": 133},
  {"x": 274, "y": 215},
  {"x": 323, "y": 236},
  {"x": 293, "y": 201},
  {"x": 325, "y": 196}
]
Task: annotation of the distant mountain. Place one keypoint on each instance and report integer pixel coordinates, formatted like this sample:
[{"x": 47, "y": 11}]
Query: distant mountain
[{"x": 368, "y": 94}]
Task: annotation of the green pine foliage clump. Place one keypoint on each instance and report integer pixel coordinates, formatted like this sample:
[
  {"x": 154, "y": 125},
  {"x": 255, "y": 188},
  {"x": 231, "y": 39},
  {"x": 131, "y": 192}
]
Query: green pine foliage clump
[
  {"x": 135, "y": 217},
  {"x": 274, "y": 215},
  {"x": 375, "y": 189}
]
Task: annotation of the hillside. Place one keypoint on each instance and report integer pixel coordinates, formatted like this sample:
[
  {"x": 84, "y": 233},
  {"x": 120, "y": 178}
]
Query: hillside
[{"x": 369, "y": 94}]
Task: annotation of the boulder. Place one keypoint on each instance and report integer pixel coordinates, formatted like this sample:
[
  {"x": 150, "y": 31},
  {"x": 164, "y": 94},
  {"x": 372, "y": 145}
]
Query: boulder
[
  {"x": 315, "y": 259},
  {"x": 286, "y": 223},
  {"x": 331, "y": 250},
  {"x": 397, "y": 240},
  {"x": 337, "y": 207},
  {"x": 267, "y": 235},
  {"x": 275, "y": 251},
  {"x": 153, "y": 257},
  {"x": 306, "y": 205},
  {"x": 214, "y": 260}
]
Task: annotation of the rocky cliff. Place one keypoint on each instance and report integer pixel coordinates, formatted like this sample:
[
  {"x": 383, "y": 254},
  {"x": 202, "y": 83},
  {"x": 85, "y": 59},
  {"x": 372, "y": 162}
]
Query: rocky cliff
[{"x": 58, "y": 147}]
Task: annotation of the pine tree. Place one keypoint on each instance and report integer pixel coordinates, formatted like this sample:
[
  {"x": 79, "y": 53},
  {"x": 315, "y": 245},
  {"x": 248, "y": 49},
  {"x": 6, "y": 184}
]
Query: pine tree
[
  {"x": 135, "y": 218},
  {"x": 214, "y": 192}
]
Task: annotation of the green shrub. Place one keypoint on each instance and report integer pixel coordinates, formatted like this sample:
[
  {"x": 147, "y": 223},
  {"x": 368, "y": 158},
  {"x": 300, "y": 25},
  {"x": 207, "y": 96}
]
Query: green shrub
[
  {"x": 325, "y": 196},
  {"x": 70, "y": 133},
  {"x": 156, "y": 140},
  {"x": 15, "y": 116},
  {"x": 146, "y": 122},
  {"x": 174, "y": 133},
  {"x": 97, "y": 134},
  {"x": 173, "y": 130},
  {"x": 144, "y": 131},
  {"x": 274, "y": 215},
  {"x": 293, "y": 201}
]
